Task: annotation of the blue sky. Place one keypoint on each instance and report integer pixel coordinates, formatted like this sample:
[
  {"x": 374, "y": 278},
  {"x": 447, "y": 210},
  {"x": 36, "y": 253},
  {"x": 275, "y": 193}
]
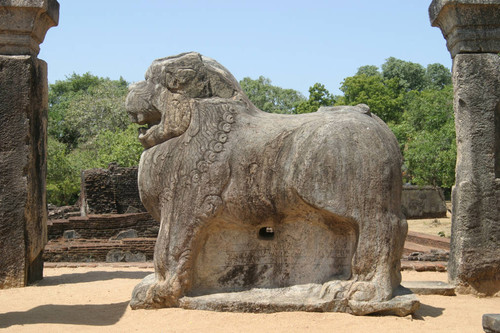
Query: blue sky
[{"x": 294, "y": 43}]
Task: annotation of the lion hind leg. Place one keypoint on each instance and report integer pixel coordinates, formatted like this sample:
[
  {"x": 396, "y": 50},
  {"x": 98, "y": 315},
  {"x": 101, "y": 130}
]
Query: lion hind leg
[{"x": 376, "y": 263}]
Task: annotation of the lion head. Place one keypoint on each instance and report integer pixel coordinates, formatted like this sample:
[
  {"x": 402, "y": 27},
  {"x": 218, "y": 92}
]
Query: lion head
[{"x": 163, "y": 101}]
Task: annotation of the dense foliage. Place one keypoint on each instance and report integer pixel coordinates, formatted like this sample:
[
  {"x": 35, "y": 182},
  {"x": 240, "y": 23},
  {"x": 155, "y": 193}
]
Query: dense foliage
[
  {"x": 89, "y": 127},
  {"x": 275, "y": 99},
  {"x": 318, "y": 96},
  {"x": 427, "y": 136},
  {"x": 271, "y": 98}
]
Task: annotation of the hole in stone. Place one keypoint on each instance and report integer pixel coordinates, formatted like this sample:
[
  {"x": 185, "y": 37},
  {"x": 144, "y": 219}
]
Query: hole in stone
[{"x": 266, "y": 233}]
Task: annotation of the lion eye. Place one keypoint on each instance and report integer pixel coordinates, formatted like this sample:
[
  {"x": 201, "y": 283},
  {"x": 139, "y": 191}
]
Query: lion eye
[
  {"x": 179, "y": 79},
  {"x": 185, "y": 75}
]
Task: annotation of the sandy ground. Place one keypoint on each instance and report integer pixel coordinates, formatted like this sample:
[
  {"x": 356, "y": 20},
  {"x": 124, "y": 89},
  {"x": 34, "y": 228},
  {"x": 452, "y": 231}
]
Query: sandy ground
[
  {"x": 434, "y": 227},
  {"x": 87, "y": 299}
]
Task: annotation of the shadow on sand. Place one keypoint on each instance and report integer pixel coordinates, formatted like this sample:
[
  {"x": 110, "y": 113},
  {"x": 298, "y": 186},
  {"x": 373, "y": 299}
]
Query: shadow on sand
[
  {"x": 427, "y": 311},
  {"x": 91, "y": 314},
  {"x": 89, "y": 277}
]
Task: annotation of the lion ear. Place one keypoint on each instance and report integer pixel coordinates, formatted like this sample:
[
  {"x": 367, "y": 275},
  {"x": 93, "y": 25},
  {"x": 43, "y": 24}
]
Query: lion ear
[
  {"x": 194, "y": 126},
  {"x": 220, "y": 87},
  {"x": 164, "y": 76}
]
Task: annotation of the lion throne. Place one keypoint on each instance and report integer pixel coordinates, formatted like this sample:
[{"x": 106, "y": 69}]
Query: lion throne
[{"x": 265, "y": 212}]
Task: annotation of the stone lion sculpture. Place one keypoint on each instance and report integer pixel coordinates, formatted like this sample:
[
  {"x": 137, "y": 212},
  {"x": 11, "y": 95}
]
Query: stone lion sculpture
[{"x": 273, "y": 212}]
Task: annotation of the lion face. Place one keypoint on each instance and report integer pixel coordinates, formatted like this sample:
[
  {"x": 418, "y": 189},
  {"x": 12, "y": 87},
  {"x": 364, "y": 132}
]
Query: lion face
[{"x": 163, "y": 101}]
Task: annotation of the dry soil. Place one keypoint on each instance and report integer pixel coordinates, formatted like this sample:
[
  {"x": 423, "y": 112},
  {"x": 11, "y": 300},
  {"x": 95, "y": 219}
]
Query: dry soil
[{"x": 95, "y": 299}]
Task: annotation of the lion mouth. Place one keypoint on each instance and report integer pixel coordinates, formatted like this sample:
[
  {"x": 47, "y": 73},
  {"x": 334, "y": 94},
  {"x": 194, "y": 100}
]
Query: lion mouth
[
  {"x": 150, "y": 120},
  {"x": 145, "y": 131},
  {"x": 142, "y": 131}
]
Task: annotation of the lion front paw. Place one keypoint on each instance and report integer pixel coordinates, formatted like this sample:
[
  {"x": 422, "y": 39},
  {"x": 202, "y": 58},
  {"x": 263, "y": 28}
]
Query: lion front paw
[
  {"x": 151, "y": 294},
  {"x": 364, "y": 291},
  {"x": 336, "y": 289},
  {"x": 140, "y": 298}
]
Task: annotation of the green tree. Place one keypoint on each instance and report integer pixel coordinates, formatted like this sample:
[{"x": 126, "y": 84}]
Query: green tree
[
  {"x": 430, "y": 157},
  {"x": 88, "y": 128},
  {"x": 368, "y": 70},
  {"x": 63, "y": 182},
  {"x": 410, "y": 76},
  {"x": 429, "y": 109},
  {"x": 83, "y": 105},
  {"x": 437, "y": 76},
  {"x": 64, "y": 166},
  {"x": 382, "y": 95},
  {"x": 270, "y": 98},
  {"x": 121, "y": 147},
  {"x": 100, "y": 108},
  {"x": 318, "y": 96},
  {"x": 427, "y": 137}
]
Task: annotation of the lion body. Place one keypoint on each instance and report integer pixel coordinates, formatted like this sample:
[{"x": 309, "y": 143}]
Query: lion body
[{"x": 236, "y": 170}]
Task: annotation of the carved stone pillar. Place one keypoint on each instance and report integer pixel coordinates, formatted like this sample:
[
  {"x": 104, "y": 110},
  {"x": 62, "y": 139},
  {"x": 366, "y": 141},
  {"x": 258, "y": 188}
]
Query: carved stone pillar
[
  {"x": 23, "y": 138},
  {"x": 472, "y": 31}
]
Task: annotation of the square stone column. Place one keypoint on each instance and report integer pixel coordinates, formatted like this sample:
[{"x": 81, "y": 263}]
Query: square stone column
[
  {"x": 472, "y": 31},
  {"x": 23, "y": 138}
]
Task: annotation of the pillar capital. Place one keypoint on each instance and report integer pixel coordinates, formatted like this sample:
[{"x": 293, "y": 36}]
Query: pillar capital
[
  {"x": 469, "y": 26},
  {"x": 24, "y": 23}
]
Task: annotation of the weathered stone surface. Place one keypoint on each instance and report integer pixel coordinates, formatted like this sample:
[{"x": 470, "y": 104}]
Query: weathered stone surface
[
  {"x": 469, "y": 26},
  {"x": 423, "y": 202},
  {"x": 491, "y": 323},
  {"x": 70, "y": 234},
  {"x": 248, "y": 199},
  {"x": 23, "y": 215},
  {"x": 308, "y": 297},
  {"x": 432, "y": 255},
  {"x": 64, "y": 212},
  {"x": 475, "y": 236},
  {"x": 23, "y": 139},
  {"x": 24, "y": 23},
  {"x": 117, "y": 255},
  {"x": 130, "y": 233},
  {"x": 430, "y": 287},
  {"x": 472, "y": 30}
]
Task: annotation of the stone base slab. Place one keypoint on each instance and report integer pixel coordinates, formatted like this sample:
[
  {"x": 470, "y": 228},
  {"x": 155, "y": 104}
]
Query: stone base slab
[
  {"x": 299, "y": 298},
  {"x": 430, "y": 287}
]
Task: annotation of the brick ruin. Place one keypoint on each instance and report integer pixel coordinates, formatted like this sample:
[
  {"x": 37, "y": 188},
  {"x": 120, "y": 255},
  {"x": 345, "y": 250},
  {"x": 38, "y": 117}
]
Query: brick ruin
[
  {"x": 110, "y": 191},
  {"x": 111, "y": 224}
]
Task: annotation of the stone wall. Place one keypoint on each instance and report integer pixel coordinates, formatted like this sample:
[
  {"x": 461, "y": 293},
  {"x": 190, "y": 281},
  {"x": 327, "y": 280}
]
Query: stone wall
[
  {"x": 84, "y": 250},
  {"x": 110, "y": 191},
  {"x": 423, "y": 202},
  {"x": 104, "y": 226}
]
